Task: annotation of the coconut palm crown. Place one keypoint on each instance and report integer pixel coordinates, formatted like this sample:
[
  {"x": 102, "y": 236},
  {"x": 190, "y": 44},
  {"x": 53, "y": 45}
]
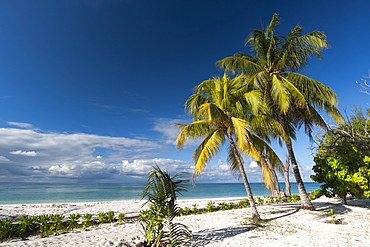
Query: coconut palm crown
[
  {"x": 223, "y": 109},
  {"x": 294, "y": 99}
]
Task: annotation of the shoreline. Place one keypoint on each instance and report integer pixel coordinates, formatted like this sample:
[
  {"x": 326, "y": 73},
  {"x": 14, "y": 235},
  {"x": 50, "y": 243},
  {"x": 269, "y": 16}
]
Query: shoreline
[{"x": 284, "y": 224}]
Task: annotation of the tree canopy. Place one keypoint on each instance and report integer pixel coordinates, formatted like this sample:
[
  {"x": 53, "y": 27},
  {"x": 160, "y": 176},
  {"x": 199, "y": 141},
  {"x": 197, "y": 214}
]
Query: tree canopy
[{"x": 342, "y": 161}]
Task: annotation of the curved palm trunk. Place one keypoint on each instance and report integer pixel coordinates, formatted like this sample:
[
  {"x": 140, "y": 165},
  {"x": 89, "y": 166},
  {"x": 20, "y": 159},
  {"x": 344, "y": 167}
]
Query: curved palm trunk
[
  {"x": 255, "y": 215},
  {"x": 286, "y": 177},
  {"x": 305, "y": 202},
  {"x": 276, "y": 190}
]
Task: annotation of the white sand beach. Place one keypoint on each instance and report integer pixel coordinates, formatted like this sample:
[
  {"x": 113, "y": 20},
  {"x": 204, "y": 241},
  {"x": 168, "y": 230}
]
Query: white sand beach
[{"x": 284, "y": 224}]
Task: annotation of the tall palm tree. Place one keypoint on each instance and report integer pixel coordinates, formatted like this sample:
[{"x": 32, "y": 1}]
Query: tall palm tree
[
  {"x": 294, "y": 99},
  {"x": 221, "y": 108}
]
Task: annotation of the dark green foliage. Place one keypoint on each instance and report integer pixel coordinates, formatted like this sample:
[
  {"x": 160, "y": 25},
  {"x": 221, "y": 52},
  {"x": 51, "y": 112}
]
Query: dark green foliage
[
  {"x": 8, "y": 229},
  {"x": 161, "y": 192}
]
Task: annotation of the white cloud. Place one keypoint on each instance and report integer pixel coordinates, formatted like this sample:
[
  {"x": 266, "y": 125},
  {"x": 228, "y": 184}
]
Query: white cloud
[
  {"x": 25, "y": 153},
  {"x": 3, "y": 159},
  {"x": 66, "y": 155},
  {"x": 22, "y": 125},
  {"x": 253, "y": 164}
]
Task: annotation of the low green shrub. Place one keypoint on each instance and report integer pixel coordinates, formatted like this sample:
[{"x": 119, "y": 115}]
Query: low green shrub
[
  {"x": 296, "y": 198},
  {"x": 244, "y": 203},
  {"x": 315, "y": 194}
]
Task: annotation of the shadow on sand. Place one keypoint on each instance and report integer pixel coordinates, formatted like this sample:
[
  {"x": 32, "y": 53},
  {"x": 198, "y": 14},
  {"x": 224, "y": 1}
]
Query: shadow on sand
[{"x": 206, "y": 236}]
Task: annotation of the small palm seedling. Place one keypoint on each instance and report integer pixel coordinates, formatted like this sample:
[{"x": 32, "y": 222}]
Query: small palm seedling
[
  {"x": 87, "y": 222},
  {"x": 102, "y": 217},
  {"x": 26, "y": 222},
  {"x": 73, "y": 221},
  {"x": 45, "y": 224},
  {"x": 121, "y": 217},
  {"x": 110, "y": 216},
  {"x": 185, "y": 211},
  {"x": 332, "y": 214},
  {"x": 56, "y": 222},
  {"x": 210, "y": 207},
  {"x": 195, "y": 209}
]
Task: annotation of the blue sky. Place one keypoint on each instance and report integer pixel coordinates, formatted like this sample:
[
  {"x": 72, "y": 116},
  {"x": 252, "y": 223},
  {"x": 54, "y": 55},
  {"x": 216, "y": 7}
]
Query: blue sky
[{"x": 90, "y": 90}]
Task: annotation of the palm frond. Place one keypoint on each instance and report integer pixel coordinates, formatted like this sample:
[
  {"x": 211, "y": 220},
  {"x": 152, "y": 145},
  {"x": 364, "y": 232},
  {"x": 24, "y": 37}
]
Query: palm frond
[
  {"x": 192, "y": 131},
  {"x": 207, "y": 149}
]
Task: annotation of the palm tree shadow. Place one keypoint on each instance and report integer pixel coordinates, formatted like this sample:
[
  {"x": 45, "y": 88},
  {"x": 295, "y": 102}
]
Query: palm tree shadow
[
  {"x": 284, "y": 215},
  {"x": 207, "y": 236}
]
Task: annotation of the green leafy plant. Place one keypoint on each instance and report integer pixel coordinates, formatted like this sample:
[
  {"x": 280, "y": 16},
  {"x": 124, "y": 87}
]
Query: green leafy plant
[
  {"x": 259, "y": 200},
  {"x": 87, "y": 222},
  {"x": 73, "y": 221},
  {"x": 332, "y": 214},
  {"x": 8, "y": 229},
  {"x": 103, "y": 217},
  {"x": 210, "y": 207},
  {"x": 121, "y": 218},
  {"x": 26, "y": 222},
  {"x": 161, "y": 191},
  {"x": 45, "y": 224},
  {"x": 296, "y": 198},
  {"x": 195, "y": 209},
  {"x": 110, "y": 216},
  {"x": 185, "y": 211},
  {"x": 243, "y": 203},
  {"x": 56, "y": 222}
]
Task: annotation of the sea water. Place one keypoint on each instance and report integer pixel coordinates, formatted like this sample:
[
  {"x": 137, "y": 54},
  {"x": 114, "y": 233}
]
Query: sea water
[{"x": 19, "y": 193}]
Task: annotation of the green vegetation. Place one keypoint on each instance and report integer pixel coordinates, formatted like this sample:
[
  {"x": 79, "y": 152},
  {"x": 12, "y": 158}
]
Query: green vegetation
[
  {"x": 293, "y": 99},
  {"x": 161, "y": 192},
  {"x": 48, "y": 224},
  {"x": 342, "y": 161}
]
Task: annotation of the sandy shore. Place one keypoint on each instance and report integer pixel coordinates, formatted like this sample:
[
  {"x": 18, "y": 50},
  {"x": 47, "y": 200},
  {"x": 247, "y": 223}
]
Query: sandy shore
[{"x": 284, "y": 224}]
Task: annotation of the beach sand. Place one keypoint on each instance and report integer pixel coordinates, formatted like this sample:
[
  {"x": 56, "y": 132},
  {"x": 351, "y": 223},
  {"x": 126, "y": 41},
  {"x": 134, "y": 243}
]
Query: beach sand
[{"x": 283, "y": 224}]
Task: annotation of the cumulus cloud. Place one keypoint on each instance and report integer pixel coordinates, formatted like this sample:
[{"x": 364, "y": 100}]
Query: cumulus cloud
[{"x": 29, "y": 153}]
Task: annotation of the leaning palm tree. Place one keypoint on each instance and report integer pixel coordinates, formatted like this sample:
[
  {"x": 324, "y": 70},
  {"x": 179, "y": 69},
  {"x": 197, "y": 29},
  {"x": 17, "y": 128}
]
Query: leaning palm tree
[
  {"x": 222, "y": 112},
  {"x": 294, "y": 99}
]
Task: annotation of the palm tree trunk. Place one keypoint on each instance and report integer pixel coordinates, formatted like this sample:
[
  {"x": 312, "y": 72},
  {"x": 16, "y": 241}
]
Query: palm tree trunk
[
  {"x": 255, "y": 215},
  {"x": 276, "y": 189},
  {"x": 286, "y": 177},
  {"x": 305, "y": 202}
]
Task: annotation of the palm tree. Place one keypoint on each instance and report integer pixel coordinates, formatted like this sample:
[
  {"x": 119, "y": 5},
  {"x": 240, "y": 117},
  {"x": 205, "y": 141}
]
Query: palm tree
[
  {"x": 221, "y": 108},
  {"x": 294, "y": 99}
]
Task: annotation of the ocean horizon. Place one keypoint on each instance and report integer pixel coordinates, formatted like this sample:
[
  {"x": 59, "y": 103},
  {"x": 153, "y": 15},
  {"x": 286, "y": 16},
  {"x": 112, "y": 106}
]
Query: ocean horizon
[{"x": 22, "y": 193}]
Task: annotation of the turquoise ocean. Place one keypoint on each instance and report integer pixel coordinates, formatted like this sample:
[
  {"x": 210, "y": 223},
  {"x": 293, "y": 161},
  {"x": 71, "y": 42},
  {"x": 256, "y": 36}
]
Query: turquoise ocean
[{"x": 19, "y": 193}]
